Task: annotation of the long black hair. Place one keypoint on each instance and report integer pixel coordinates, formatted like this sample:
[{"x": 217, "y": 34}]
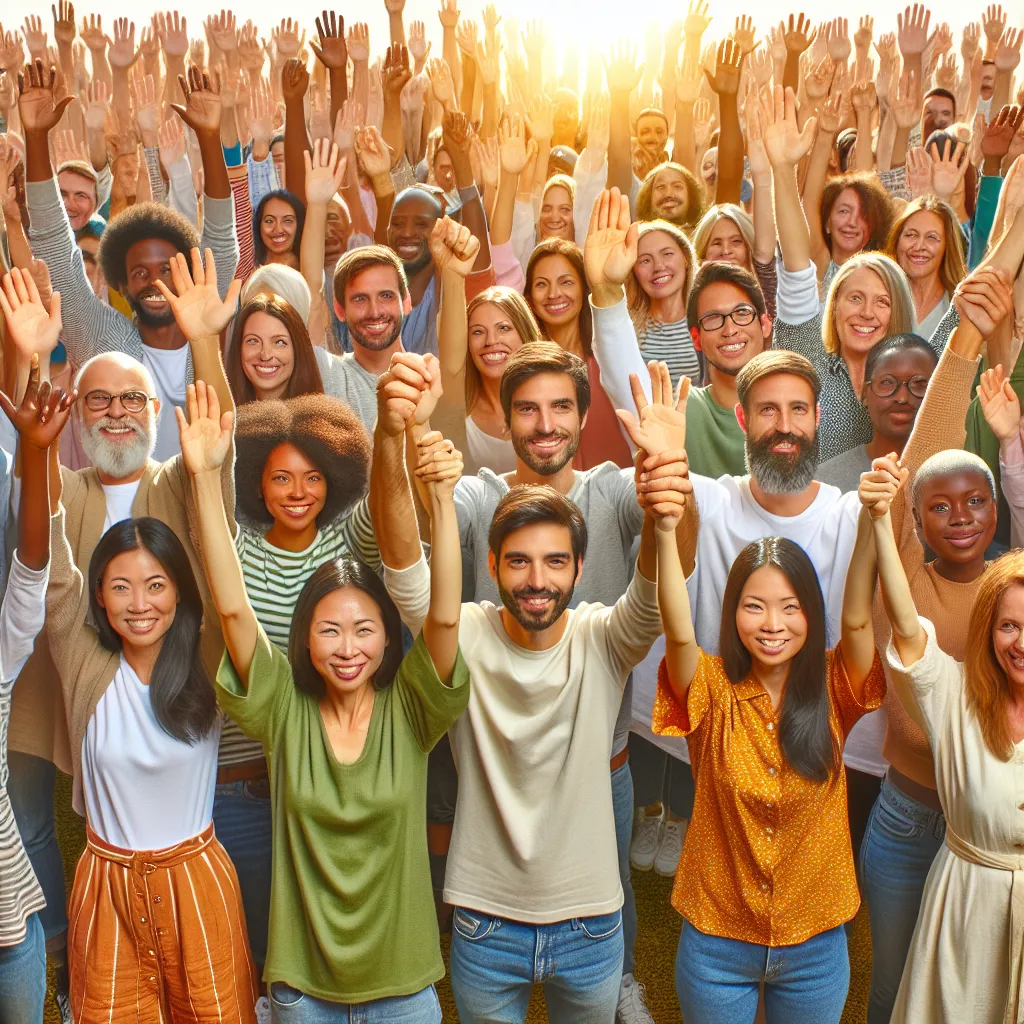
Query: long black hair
[
  {"x": 180, "y": 691},
  {"x": 259, "y": 246},
  {"x": 805, "y": 734},
  {"x": 332, "y": 576}
]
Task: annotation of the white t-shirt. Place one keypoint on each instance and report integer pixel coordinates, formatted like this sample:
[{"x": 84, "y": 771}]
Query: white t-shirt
[
  {"x": 144, "y": 789},
  {"x": 486, "y": 452},
  {"x": 169, "y": 367},
  {"x": 120, "y": 498}
]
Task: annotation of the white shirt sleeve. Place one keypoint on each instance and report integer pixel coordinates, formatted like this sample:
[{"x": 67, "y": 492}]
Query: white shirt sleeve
[
  {"x": 796, "y": 299},
  {"x": 588, "y": 187},
  {"x": 618, "y": 354},
  {"x": 21, "y": 617},
  {"x": 410, "y": 590},
  {"x": 1011, "y": 481}
]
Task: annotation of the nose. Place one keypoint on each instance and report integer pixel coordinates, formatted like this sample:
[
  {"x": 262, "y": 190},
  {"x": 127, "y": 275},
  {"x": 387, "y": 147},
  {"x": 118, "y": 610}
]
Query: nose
[
  {"x": 346, "y": 647},
  {"x": 139, "y": 601},
  {"x": 771, "y": 622},
  {"x": 546, "y": 424},
  {"x": 265, "y": 351},
  {"x": 116, "y": 410},
  {"x": 959, "y": 514},
  {"x": 783, "y": 424},
  {"x": 537, "y": 576}
]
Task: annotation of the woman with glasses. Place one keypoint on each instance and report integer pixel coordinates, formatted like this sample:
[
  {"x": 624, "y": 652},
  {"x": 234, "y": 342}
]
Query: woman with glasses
[{"x": 896, "y": 374}]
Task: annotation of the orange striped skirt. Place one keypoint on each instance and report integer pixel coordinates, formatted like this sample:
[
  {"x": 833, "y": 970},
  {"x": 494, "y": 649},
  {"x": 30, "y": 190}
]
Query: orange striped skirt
[{"x": 159, "y": 936}]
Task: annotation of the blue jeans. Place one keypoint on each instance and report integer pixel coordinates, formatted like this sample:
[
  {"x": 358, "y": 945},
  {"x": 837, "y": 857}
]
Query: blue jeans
[
  {"x": 30, "y": 787},
  {"x": 23, "y": 976},
  {"x": 717, "y": 979},
  {"x": 622, "y": 804},
  {"x": 899, "y": 846},
  {"x": 290, "y": 1006},
  {"x": 243, "y": 825},
  {"x": 496, "y": 962}
]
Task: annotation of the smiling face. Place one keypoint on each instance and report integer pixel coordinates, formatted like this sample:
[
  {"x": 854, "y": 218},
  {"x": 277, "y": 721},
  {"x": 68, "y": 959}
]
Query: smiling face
[
  {"x": 139, "y": 597},
  {"x": 862, "y": 310},
  {"x": 294, "y": 490},
  {"x": 921, "y": 245},
  {"x": 988, "y": 79},
  {"x": 726, "y": 244},
  {"x": 661, "y": 266},
  {"x": 147, "y": 261},
  {"x": 938, "y": 113},
  {"x": 79, "y": 195},
  {"x": 555, "y": 219},
  {"x": 652, "y": 133},
  {"x": 848, "y": 229},
  {"x": 709, "y": 169},
  {"x": 546, "y": 424},
  {"x": 957, "y": 515},
  {"x": 1008, "y": 634},
  {"x": 893, "y": 417},
  {"x": 730, "y": 347},
  {"x": 492, "y": 339},
  {"x": 278, "y": 225},
  {"x": 536, "y": 574},
  {"x": 771, "y": 623},
  {"x": 670, "y": 197},
  {"x": 373, "y": 307},
  {"x": 556, "y": 291},
  {"x": 268, "y": 356},
  {"x": 781, "y": 426},
  {"x": 347, "y": 639},
  {"x": 339, "y": 230},
  {"x": 412, "y": 220}
]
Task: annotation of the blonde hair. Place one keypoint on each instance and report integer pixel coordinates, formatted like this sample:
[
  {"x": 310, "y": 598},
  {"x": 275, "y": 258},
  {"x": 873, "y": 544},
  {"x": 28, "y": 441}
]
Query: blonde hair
[
  {"x": 724, "y": 211},
  {"x": 639, "y": 302},
  {"x": 516, "y": 308},
  {"x": 988, "y": 695},
  {"x": 901, "y": 316},
  {"x": 562, "y": 181},
  {"x": 954, "y": 267}
]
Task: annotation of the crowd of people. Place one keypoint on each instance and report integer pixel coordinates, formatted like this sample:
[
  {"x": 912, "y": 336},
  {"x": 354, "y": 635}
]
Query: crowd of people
[{"x": 437, "y": 489}]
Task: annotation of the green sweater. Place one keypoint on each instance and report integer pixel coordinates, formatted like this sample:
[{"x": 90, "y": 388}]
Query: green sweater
[
  {"x": 351, "y": 910},
  {"x": 714, "y": 441}
]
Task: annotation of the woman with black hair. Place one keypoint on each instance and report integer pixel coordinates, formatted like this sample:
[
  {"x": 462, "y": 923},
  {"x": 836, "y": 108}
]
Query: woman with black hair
[
  {"x": 347, "y": 723},
  {"x": 157, "y": 927},
  {"x": 277, "y": 228},
  {"x": 766, "y": 879}
]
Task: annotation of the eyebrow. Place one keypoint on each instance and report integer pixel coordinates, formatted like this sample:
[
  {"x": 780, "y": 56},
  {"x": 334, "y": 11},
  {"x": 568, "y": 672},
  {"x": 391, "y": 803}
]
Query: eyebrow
[
  {"x": 547, "y": 554},
  {"x": 149, "y": 579}
]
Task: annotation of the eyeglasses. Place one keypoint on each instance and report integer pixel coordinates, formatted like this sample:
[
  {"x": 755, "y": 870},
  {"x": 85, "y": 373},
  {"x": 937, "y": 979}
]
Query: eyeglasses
[
  {"x": 888, "y": 386},
  {"x": 131, "y": 401},
  {"x": 741, "y": 316}
]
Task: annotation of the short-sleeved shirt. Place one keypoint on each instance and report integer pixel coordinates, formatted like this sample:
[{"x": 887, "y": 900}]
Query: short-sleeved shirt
[
  {"x": 767, "y": 857},
  {"x": 715, "y": 444},
  {"x": 351, "y": 906}
]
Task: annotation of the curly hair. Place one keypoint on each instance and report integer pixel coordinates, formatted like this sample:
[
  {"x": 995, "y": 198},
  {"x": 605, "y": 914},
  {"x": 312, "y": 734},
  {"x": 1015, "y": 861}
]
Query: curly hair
[
  {"x": 874, "y": 201},
  {"x": 695, "y": 204},
  {"x": 138, "y": 222},
  {"x": 324, "y": 429}
]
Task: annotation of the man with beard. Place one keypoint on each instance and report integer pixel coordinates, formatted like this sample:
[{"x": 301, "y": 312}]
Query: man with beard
[{"x": 137, "y": 248}]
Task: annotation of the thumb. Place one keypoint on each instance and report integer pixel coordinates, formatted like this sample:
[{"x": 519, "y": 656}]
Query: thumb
[
  {"x": 8, "y": 406},
  {"x": 631, "y": 425},
  {"x": 632, "y": 241},
  {"x": 55, "y": 308}
]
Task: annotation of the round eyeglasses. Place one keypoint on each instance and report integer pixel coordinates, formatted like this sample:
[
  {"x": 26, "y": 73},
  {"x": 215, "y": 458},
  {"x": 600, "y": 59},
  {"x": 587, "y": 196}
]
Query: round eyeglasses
[
  {"x": 131, "y": 401},
  {"x": 741, "y": 316},
  {"x": 887, "y": 386}
]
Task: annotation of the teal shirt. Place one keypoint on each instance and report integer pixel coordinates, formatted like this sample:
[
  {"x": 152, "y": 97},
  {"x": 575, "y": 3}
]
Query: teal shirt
[
  {"x": 714, "y": 441},
  {"x": 351, "y": 905}
]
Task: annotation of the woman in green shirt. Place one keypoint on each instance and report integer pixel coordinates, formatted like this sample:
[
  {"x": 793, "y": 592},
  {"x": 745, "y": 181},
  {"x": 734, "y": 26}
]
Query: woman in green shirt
[{"x": 347, "y": 724}]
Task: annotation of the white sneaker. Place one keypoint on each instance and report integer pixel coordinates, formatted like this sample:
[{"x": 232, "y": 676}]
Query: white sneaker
[
  {"x": 632, "y": 1008},
  {"x": 670, "y": 849},
  {"x": 646, "y": 837},
  {"x": 262, "y": 1010}
]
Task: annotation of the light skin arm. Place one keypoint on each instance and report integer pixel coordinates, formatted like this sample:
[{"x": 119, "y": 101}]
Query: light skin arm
[
  {"x": 681, "y": 652},
  {"x": 857, "y": 639},
  {"x": 325, "y": 171},
  {"x": 454, "y": 250},
  {"x": 814, "y": 186},
  {"x": 513, "y": 153}
]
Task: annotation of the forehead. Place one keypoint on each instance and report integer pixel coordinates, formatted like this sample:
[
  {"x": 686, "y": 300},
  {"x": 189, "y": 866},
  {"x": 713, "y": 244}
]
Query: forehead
[
  {"x": 288, "y": 457},
  {"x": 112, "y": 376},
  {"x": 722, "y": 296},
  {"x": 848, "y": 197},
  {"x": 938, "y": 103},
  {"x": 864, "y": 279},
  {"x": 965, "y": 481},
  {"x": 347, "y": 604},
  {"x": 150, "y": 250},
  {"x": 278, "y": 208},
  {"x": 669, "y": 176},
  {"x": 905, "y": 361},
  {"x": 137, "y": 564},
  {"x": 263, "y": 323},
  {"x": 924, "y": 220},
  {"x": 373, "y": 279},
  {"x": 539, "y": 540},
  {"x": 415, "y": 206},
  {"x": 782, "y": 388},
  {"x": 72, "y": 181},
  {"x": 557, "y": 195},
  {"x": 545, "y": 387},
  {"x": 488, "y": 313},
  {"x": 555, "y": 265},
  {"x": 1011, "y": 602},
  {"x": 768, "y": 582},
  {"x": 651, "y": 121},
  {"x": 655, "y": 241}
]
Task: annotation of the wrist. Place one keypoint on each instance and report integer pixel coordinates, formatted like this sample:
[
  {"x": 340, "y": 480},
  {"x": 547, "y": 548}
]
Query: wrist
[
  {"x": 383, "y": 186},
  {"x": 992, "y": 166},
  {"x": 605, "y": 294}
]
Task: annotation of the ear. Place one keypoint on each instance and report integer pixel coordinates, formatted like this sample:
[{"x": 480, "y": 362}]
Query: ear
[
  {"x": 579, "y": 572},
  {"x": 492, "y": 565},
  {"x": 156, "y": 406},
  {"x": 407, "y": 304},
  {"x": 766, "y": 327},
  {"x": 99, "y": 597},
  {"x": 339, "y": 311},
  {"x": 917, "y": 517},
  {"x": 695, "y": 337},
  {"x": 741, "y": 418}
]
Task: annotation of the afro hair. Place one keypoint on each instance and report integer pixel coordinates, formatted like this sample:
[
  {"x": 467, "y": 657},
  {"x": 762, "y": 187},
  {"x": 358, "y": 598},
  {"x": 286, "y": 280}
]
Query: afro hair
[
  {"x": 324, "y": 429},
  {"x": 144, "y": 220}
]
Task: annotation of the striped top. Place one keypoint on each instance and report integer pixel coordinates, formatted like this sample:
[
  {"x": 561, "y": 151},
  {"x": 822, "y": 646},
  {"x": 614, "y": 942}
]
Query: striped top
[
  {"x": 274, "y": 578},
  {"x": 22, "y": 617},
  {"x": 672, "y": 344}
]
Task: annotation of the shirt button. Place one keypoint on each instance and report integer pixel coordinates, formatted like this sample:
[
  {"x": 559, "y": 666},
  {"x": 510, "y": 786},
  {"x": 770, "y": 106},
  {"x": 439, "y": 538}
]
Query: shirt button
[
  {"x": 771, "y": 726},
  {"x": 764, "y": 887},
  {"x": 156, "y": 899},
  {"x": 151, "y": 953},
  {"x": 770, "y": 831},
  {"x": 142, "y": 919},
  {"x": 771, "y": 771}
]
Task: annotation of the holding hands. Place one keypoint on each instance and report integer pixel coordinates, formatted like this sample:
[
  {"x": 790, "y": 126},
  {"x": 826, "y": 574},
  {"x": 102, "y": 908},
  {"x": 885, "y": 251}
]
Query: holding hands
[{"x": 878, "y": 488}]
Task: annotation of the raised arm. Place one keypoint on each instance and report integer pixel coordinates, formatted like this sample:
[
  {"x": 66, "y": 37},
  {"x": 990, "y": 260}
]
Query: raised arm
[
  {"x": 454, "y": 251},
  {"x": 325, "y": 171},
  {"x": 857, "y": 637},
  {"x": 829, "y": 122},
  {"x": 332, "y": 52},
  {"x": 457, "y": 133},
  {"x": 623, "y": 77},
  {"x": 294, "y": 83},
  {"x": 376, "y": 164},
  {"x": 726, "y": 83},
  {"x": 765, "y": 237}
]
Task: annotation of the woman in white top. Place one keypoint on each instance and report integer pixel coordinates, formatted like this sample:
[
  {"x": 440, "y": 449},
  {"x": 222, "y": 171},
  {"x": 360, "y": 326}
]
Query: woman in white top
[{"x": 927, "y": 242}]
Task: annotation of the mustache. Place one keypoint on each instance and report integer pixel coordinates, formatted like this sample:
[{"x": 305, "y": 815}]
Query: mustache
[
  {"x": 110, "y": 421},
  {"x": 528, "y": 592}
]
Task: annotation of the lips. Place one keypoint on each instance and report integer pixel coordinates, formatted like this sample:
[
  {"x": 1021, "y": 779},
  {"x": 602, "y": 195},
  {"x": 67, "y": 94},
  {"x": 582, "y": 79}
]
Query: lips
[
  {"x": 296, "y": 511},
  {"x": 409, "y": 250},
  {"x": 493, "y": 358},
  {"x": 770, "y": 645},
  {"x": 733, "y": 348},
  {"x": 119, "y": 433},
  {"x": 346, "y": 673},
  {"x": 140, "y": 626},
  {"x": 556, "y": 308},
  {"x": 963, "y": 538},
  {"x": 266, "y": 370},
  {"x": 546, "y": 445}
]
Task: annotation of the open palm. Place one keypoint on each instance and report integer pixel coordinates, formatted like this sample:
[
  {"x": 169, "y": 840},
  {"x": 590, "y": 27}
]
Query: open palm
[
  {"x": 785, "y": 143},
  {"x": 206, "y": 434},
  {"x": 610, "y": 250},
  {"x": 999, "y": 404},
  {"x": 659, "y": 425},
  {"x": 43, "y": 412},
  {"x": 197, "y": 306},
  {"x": 30, "y": 326}
]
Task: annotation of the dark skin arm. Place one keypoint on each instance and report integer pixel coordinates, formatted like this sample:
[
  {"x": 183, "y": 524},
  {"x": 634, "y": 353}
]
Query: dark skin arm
[
  {"x": 202, "y": 113},
  {"x": 798, "y": 35},
  {"x": 294, "y": 83},
  {"x": 457, "y": 134},
  {"x": 333, "y": 54},
  {"x": 623, "y": 77},
  {"x": 40, "y": 114},
  {"x": 726, "y": 83},
  {"x": 394, "y": 75}
]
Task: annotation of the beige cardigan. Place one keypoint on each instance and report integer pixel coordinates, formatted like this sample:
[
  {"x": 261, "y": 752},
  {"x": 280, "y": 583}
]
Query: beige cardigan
[{"x": 62, "y": 682}]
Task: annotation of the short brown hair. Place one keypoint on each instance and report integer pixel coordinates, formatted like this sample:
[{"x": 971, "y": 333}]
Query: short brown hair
[
  {"x": 767, "y": 364},
  {"x": 530, "y": 504},
  {"x": 874, "y": 200},
  {"x": 305, "y": 378},
  {"x": 355, "y": 261},
  {"x": 727, "y": 273},
  {"x": 538, "y": 357}
]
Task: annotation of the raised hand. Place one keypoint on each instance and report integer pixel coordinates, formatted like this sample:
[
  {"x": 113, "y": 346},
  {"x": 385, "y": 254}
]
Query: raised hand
[
  {"x": 540, "y": 118},
  {"x": 688, "y": 81},
  {"x": 659, "y": 426},
  {"x": 439, "y": 465},
  {"x": 919, "y": 172},
  {"x": 287, "y": 39},
  {"x": 697, "y": 19},
  {"x": 359, "y": 42},
  {"x": 880, "y": 485},
  {"x": 785, "y": 143},
  {"x": 372, "y": 151},
  {"x": 121, "y": 50},
  {"x": 171, "y": 143},
  {"x": 147, "y": 112},
  {"x": 407, "y": 392},
  {"x": 760, "y": 64},
  {"x": 43, "y": 412},
  {"x": 1000, "y": 405},
  {"x": 948, "y": 169},
  {"x": 726, "y": 79},
  {"x": 202, "y": 109},
  {"x": 97, "y": 102},
  {"x": 610, "y": 249},
  {"x": 325, "y": 171},
  {"x": 172, "y": 30},
  {"x": 912, "y": 30},
  {"x": 396, "y": 71},
  {"x": 906, "y": 104},
  {"x": 38, "y": 106},
  {"x": 35, "y": 37},
  {"x": 206, "y": 434},
  {"x": 512, "y": 148},
  {"x": 1008, "y": 51},
  {"x": 453, "y": 246},
  {"x": 63, "y": 22},
  {"x": 251, "y": 54},
  {"x": 448, "y": 14},
  {"x": 621, "y": 70},
  {"x": 798, "y": 33},
  {"x": 419, "y": 48},
  {"x": 223, "y": 31},
  {"x": 837, "y": 39},
  {"x": 197, "y": 306},
  {"x": 865, "y": 31},
  {"x": 994, "y": 23},
  {"x": 441, "y": 82},
  {"x": 819, "y": 78},
  {"x": 32, "y": 328},
  {"x": 1000, "y": 132},
  {"x": 743, "y": 34},
  {"x": 985, "y": 297},
  {"x": 294, "y": 81}
]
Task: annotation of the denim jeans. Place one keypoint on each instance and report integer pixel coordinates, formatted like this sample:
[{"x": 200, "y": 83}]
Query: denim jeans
[
  {"x": 23, "y": 976},
  {"x": 495, "y": 963},
  {"x": 242, "y": 823},
  {"x": 30, "y": 787},
  {"x": 899, "y": 846},
  {"x": 290, "y": 1006},
  {"x": 622, "y": 804},
  {"x": 658, "y": 777},
  {"x": 717, "y": 979}
]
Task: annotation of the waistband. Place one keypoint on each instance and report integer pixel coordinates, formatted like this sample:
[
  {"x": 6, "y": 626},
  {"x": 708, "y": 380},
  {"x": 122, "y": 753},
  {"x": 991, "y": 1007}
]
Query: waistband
[
  {"x": 619, "y": 759},
  {"x": 909, "y": 806},
  {"x": 166, "y": 858}
]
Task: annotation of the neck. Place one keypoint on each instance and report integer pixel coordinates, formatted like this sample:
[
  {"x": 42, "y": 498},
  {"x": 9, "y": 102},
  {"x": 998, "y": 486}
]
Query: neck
[
  {"x": 880, "y": 446},
  {"x": 142, "y": 659},
  {"x": 534, "y": 640},
  {"x": 785, "y": 504},
  {"x": 291, "y": 540},
  {"x": 348, "y": 709},
  {"x": 562, "y": 481},
  {"x": 419, "y": 281},
  {"x": 567, "y": 336},
  {"x": 965, "y": 572},
  {"x": 168, "y": 337},
  {"x": 376, "y": 361},
  {"x": 112, "y": 481},
  {"x": 773, "y": 678},
  {"x": 855, "y": 364},
  {"x": 489, "y": 397},
  {"x": 723, "y": 388},
  {"x": 670, "y": 309},
  {"x": 840, "y": 257},
  {"x": 927, "y": 293}
]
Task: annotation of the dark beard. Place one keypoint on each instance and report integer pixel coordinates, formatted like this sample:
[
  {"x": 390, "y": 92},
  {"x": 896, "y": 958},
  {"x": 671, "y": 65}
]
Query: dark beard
[
  {"x": 148, "y": 319},
  {"x": 375, "y": 344},
  {"x": 529, "y": 622},
  {"x": 416, "y": 265},
  {"x": 782, "y": 474},
  {"x": 546, "y": 468}
]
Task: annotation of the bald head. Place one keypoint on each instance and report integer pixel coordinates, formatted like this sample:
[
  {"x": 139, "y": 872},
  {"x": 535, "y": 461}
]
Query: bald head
[{"x": 114, "y": 372}]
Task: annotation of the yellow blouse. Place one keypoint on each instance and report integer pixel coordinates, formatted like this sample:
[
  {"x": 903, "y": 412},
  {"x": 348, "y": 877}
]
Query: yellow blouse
[{"x": 767, "y": 857}]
